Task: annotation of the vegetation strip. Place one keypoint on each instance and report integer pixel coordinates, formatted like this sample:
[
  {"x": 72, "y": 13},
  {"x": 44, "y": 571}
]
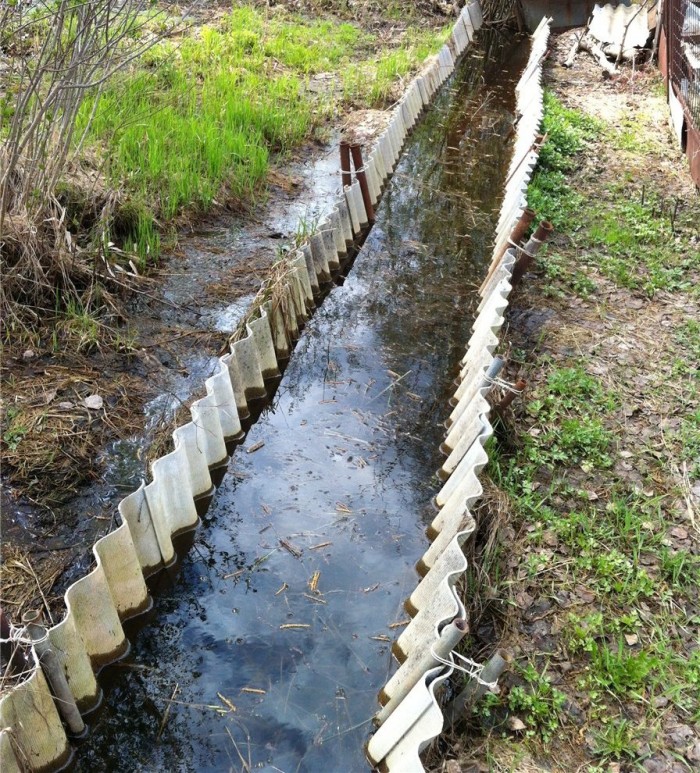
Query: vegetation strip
[{"x": 589, "y": 559}]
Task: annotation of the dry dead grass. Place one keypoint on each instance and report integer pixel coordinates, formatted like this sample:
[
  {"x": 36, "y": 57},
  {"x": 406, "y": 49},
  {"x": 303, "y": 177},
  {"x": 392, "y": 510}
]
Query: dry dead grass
[{"x": 54, "y": 418}]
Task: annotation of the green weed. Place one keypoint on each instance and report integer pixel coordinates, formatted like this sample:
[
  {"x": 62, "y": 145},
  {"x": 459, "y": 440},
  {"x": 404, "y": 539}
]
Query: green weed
[
  {"x": 538, "y": 703},
  {"x": 690, "y": 442},
  {"x": 200, "y": 119},
  {"x": 688, "y": 335},
  {"x": 680, "y": 568},
  {"x": 616, "y": 741},
  {"x": 15, "y": 429},
  {"x": 568, "y": 132},
  {"x": 621, "y": 671},
  {"x": 571, "y": 432}
]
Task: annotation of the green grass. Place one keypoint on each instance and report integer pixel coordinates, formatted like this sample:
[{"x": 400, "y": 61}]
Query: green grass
[
  {"x": 568, "y": 133},
  {"x": 537, "y": 703},
  {"x": 370, "y": 83},
  {"x": 639, "y": 241},
  {"x": 628, "y": 235},
  {"x": 598, "y": 532},
  {"x": 199, "y": 119},
  {"x": 690, "y": 440},
  {"x": 616, "y": 741},
  {"x": 15, "y": 430},
  {"x": 568, "y": 429},
  {"x": 624, "y": 642}
]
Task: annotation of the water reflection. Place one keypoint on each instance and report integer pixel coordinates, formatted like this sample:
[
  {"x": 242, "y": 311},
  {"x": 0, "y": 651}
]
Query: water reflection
[{"x": 269, "y": 648}]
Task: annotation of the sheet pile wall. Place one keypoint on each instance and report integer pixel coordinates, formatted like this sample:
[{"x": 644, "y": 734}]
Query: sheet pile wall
[{"x": 411, "y": 716}]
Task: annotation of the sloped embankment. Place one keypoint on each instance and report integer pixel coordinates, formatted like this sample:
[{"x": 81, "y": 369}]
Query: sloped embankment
[{"x": 590, "y": 542}]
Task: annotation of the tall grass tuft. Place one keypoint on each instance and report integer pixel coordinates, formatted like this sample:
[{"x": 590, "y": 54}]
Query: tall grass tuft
[{"x": 198, "y": 119}]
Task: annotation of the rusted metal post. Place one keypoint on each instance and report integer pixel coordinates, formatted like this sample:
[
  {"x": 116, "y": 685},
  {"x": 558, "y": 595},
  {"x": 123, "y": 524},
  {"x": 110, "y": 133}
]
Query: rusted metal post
[
  {"x": 510, "y": 395},
  {"x": 527, "y": 253},
  {"x": 12, "y": 652},
  {"x": 516, "y": 235},
  {"x": 345, "y": 162},
  {"x": 521, "y": 227},
  {"x": 53, "y": 670},
  {"x": 356, "y": 151}
]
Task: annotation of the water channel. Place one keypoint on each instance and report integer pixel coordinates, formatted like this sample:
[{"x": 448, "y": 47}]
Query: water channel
[{"x": 267, "y": 647}]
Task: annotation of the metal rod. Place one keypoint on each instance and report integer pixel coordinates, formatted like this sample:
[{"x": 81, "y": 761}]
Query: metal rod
[
  {"x": 510, "y": 395},
  {"x": 345, "y": 162},
  {"x": 493, "y": 370},
  {"x": 527, "y": 253},
  {"x": 53, "y": 670},
  {"x": 456, "y": 709},
  {"x": 356, "y": 151},
  {"x": 450, "y": 636}
]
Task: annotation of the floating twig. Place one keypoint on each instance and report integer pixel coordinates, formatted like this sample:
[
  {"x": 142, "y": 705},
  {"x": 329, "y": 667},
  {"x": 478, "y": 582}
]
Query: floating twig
[
  {"x": 166, "y": 713},
  {"x": 226, "y": 702},
  {"x": 313, "y": 582},
  {"x": 291, "y": 548}
]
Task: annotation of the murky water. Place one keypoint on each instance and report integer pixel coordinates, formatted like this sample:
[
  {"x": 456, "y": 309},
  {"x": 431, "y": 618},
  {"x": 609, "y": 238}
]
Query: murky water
[{"x": 274, "y": 637}]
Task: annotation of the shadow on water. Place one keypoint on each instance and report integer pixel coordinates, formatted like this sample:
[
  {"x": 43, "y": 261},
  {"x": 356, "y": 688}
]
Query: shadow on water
[{"x": 283, "y": 608}]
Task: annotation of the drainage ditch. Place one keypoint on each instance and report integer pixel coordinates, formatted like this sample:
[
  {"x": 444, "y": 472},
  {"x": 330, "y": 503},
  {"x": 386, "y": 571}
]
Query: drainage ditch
[{"x": 269, "y": 641}]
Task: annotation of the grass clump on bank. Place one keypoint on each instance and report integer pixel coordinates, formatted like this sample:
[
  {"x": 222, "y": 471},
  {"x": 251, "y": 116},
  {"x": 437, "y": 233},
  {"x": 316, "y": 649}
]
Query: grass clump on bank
[
  {"x": 197, "y": 121},
  {"x": 179, "y": 120}
]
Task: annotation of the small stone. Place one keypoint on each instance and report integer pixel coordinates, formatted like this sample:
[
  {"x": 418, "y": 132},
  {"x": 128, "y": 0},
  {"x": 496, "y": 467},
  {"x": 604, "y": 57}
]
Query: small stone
[
  {"x": 693, "y": 754},
  {"x": 93, "y": 402},
  {"x": 631, "y": 639},
  {"x": 659, "y": 702},
  {"x": 66, "y": 405},
  {"x": 679, "y": 736},
  {"x": 452, "y": 766},
  {"x": 679, "y": 532},
  {"x": 516, "y": 724},
  {"x": 654, "y": 765},
  {"x": 29, "y": 354}
]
